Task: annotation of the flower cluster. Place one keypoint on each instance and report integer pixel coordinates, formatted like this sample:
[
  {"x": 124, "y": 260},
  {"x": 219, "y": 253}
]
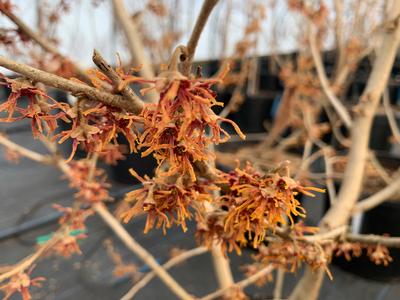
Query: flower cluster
[
  {"x": 96, "y": 127},
  {"x": 179, "y": 129},
  {"x": 166, "y": 203},
  {"x": 72, "y": 229},
  {"x": 74, "y": 218},
  {"x": 290, "y": 256},
  {"x": 291, "y": 251},
  {"x": 211, "y": 229},
  {"x": 378, "y": 254},
  {"x": 43, "y": 110},
  {"x": 68, "y": 245},
  {"x": 89, "y": 191},
  {"x": 20, "y": 283},
  {"x": 257, "y": 202}
]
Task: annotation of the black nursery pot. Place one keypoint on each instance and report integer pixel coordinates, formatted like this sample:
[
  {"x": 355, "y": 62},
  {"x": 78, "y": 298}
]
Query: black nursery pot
[
  {"x": 252, "y": 114},
  {"x": 142, "y": 165},
  {"x": 269, "y": 82},
  {"x": 380, "y": 133},
  {"x": 379, "y": 136}
]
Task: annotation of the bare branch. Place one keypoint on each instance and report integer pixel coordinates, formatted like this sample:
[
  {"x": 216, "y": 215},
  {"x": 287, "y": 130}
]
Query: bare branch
[
  {"x": 142, "y": 253},
  {"x": 126, "y": 91},
  {"x": 309, "y": 286},
  {"x": 135, "y": 44},
  {"x": 24, "y": 151},
  {"x": 31, "y": 259},
  {"x": 378, "y": 167},
  {"x": 280, "y": 277},
  {"x": 201, "y": 21},
  {"x": 319, "y": 65},
  {"x": 169, "y": 264},
  {"x": 378, "y": 198},
  {"x": 391, "y": 242},
  {"x": 241, "y": 284},
  {"x": 220, "y": 261},
  {"x": 71, "y": 86},
  {"x": 329, "y": 235}
]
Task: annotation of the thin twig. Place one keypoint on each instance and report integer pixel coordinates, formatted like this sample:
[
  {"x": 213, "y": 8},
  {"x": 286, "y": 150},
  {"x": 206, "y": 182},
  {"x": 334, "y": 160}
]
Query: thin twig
[
  {"x": 280, "y": 277},
  {"x": 305, "y": 161},
  {"x": 169, "y": 264},
  {"x": 378, "y": 198},
  {"x": 201, "y": 21},
  {"x": 336, "y": 103},
  {"x": 329, "y": 235},
  {"x": 220, "y": 261},
  {"x": 135, "y": 44},
  {"x": 141, "y": 252},
  {"x": 129, "y": 241},
  {"x": 31, "y": 259},
  {"x": 126, "y": 91},
  {"x": 24, "y": 151},
  {"x": 391, "y": 242},
  {"x": 71, "y": 86},
  {"x": 241, "y": 284},
  {"x": 237, "y": 96}
]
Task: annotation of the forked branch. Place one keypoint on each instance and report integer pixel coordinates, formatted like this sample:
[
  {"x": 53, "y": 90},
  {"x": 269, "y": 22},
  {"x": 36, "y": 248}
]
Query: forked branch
[{"x": 74, "y": 87}]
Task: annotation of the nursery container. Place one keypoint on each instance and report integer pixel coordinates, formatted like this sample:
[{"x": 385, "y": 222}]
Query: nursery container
[
  {"x": 142, "y": 165},
  {"x": 269, "y": 82},
  {"x": 254, "y": 111},
  {"x": 381, "y": 133}
]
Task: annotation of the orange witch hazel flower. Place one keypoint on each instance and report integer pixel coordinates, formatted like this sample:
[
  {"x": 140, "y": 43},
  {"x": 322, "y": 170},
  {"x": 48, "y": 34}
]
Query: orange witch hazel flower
[
  {"x": 74, "y": 217},
  {"x": 166, "y": 203},
  {"x": 68, "y": 245},
  {"x": 20, "y": 283},
  {"x": 96, "y": 127},
  {"x": 89, "y": 191},
  {"x": 43, "y": 110},
  {"x": 182, "y": 124},
  {"x": 258, "y": 202}
]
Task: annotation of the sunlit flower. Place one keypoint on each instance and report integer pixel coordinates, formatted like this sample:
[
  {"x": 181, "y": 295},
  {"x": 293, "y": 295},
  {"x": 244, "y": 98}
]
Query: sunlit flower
[
  {"x": 257, "y": 202},
  {"x": 180, "y": 127}
]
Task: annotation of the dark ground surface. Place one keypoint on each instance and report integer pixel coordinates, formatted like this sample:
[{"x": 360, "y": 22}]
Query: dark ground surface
[{"x": 27, "y": 191}]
